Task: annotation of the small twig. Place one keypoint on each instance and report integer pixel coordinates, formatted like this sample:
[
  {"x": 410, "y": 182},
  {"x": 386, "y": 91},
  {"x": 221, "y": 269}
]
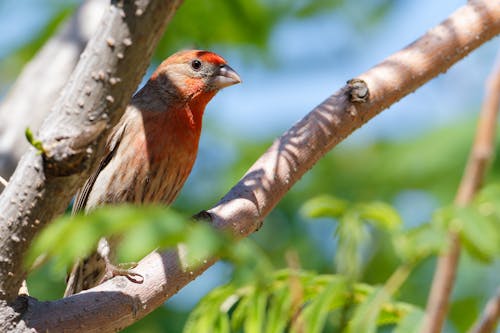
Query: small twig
[
  {"x": 479, "y": 158},
  {"x": 296, "y": 290},
  {"x": 24, "y": 289},
  {"x": 3, "y": 181},
  {"x": 490, "y": 317}
]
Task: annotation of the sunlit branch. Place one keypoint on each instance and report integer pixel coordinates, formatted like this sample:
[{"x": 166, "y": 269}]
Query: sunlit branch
[{"x": 481, "y": 154}]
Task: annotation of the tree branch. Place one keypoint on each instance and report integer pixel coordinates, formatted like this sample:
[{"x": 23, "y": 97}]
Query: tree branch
[
  {"x": 51, "y": 67},
  {"x": 490, "y": 316},
  {"x": 73, "y": 135},
  {"x": 479, "y": 158},
  {"x": 118, "y": 303}
]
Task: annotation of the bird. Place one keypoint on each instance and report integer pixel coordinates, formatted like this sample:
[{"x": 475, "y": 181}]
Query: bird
[{"x": 150, "y": 152}]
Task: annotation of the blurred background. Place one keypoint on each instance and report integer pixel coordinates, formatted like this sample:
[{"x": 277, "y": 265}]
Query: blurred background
[{"x": 292, "y": 55}]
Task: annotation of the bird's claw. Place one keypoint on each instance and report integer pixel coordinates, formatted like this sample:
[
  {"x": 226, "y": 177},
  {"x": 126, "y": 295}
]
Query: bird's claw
[{"x": 126, "y": 270}]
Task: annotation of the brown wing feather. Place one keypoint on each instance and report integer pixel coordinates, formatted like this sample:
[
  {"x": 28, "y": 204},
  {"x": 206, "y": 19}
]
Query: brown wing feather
[
  {"x": 83, "y": 194},
  {"x": 90, "y": 268}
]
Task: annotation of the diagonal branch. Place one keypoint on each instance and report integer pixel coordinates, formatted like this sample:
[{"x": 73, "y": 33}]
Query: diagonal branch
[
  {"x": 73, "y": 135},
  {"x": 118, "y": 303},
  {"x": 479, "y": 158}
]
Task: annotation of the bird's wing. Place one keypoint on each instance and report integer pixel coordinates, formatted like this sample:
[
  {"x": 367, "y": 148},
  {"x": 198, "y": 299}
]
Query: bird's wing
[
  {"x": 111, "y": 146},
  {"x": 88, "y": 272}
]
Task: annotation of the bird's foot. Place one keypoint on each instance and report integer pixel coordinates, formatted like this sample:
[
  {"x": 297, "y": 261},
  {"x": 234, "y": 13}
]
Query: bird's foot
[{"x": 124, "y": 269}]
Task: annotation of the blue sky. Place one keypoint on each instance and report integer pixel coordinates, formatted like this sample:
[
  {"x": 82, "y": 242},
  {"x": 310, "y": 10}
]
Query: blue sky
[{"x": 319, "y": 55}]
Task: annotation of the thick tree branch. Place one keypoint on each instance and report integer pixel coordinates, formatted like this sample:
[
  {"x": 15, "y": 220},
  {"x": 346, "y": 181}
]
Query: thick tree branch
[
  {"x": 73, "y": 135},
  {"x": 481, "y": 154},
  {"x": 51, "y": 68},
  {"x": 490, "y": 317},
  {"x": 118, "y": 302}
]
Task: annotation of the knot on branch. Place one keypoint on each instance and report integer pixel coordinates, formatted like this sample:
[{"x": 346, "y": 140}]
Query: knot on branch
[
  {"x": 68, "y": 155},
  {"x": 203, "y": 216},
  {"x": 60, "y": 160},
  {"x": 358, "y": 91}
]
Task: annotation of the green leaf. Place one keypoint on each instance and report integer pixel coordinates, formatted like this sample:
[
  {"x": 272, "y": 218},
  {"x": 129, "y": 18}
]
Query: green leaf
[
  {"x": 351, "y": 236},
  {"x": 202, "y": 242},
  {"x": 32, "y": 141},
  {"x": 324, "y": 206},
  {"x": 480, "y": 235},
  {"x": 240, "y": 312},
  {"x": 365, "y": 316},
  {"x": 222, "y": 324},
  {"x": 256, "y": 312},
  {"x": 421, "y": 242},
  {"x": 251, "y": 263},
  {"x": 268, "y": 308},
  {"x": 310, "y": 7},
  {"x": 279, "y": 311},
  {"x": 391, "y": 313},
  {"x": 210, "y": 309},
  {"x": 380, "y": 215},
  {"x": 411, "y": 322},
  {"x": 489, "y": 194},
  {"x": 144, "y": 229},
  {"x": 331, "y": 298}
]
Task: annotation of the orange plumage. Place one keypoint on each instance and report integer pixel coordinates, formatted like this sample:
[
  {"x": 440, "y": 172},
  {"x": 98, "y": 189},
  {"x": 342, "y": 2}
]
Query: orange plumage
[{"x": 152, "y": 149}]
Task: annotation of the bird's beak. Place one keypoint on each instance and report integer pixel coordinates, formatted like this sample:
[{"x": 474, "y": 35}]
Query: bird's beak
[{"x": 226, "y": 77}]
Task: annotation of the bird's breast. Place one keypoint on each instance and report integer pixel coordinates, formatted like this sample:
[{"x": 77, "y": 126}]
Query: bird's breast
[{"x": 153, "y": 161}]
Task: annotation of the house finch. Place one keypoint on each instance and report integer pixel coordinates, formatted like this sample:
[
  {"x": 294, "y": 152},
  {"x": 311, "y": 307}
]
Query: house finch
[{"x": 150, "y": 152}]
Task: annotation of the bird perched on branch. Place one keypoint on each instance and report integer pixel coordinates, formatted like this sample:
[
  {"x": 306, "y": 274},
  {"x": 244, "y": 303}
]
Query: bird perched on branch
[{"x": 152, "y": 149}]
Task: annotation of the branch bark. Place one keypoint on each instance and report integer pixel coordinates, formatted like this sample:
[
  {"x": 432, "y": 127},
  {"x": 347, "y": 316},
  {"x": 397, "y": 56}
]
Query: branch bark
[
  {"x": 32, "y": 102},
  {"x": 480, "y": 156},
  {"x": 73, "y": 135},
  {"x": 118, "y": 303},
  {"x": 490, "y": 316}
]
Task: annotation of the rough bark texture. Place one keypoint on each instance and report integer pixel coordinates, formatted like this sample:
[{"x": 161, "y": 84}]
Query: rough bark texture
[
  {"x": 118, "y": 302},
  {"x": 41, "y": 82},
  {"x": 73, "y": 135},
  {"x": 481, "y": 154}
]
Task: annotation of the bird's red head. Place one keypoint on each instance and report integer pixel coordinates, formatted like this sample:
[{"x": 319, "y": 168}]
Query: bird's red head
[{"x": 192, "y": 73}]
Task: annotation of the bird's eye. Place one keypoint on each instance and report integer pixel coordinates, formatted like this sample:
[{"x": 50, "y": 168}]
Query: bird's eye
[{"x": 196, "y": 64}]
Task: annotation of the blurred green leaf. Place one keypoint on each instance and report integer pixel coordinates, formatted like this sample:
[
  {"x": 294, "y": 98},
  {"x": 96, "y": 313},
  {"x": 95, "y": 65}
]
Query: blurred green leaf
[
  {"x": 222, "y": 325},
  {"x": 142, "y": 229},
  {"x": 279, "y": 311},
  {"x": 381, "y": 215},
  {"x": 332, "y": 298},
  {"x": 351, "y": 237},
  {"x": 351, "y": 230},
  {"x": 256, "y": 312},
  {"x": 480, "y": 235},
  {"x": 310, "y": 8},
  {"x": 324, "y": 206},
  {"x": 268, "y": 308},
  {"x": 365, "y": 316},
  {"x": 209, "y": 309},
  {"x": 420, "y": 242},
  {"x": 463, "y": 320},
  {"x": 251, "y": 263},
  {"x": 411, "y": 322},
  {"x": 488, "y": 194},
  {"x": 203, "y": 242}
]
